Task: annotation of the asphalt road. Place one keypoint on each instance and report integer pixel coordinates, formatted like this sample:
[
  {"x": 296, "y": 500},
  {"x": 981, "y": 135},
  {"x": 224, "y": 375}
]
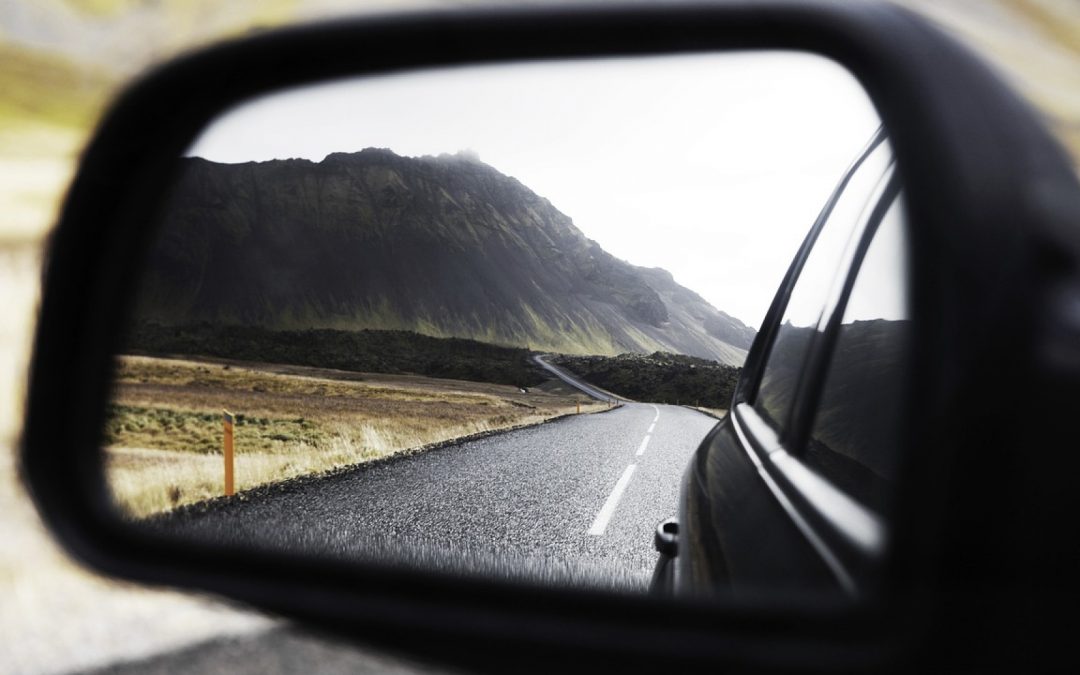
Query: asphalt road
[{"x": 573, "y": 501}]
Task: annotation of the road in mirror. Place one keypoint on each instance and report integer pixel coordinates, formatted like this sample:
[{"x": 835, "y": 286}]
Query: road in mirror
[{"x": 476, "y": 320}]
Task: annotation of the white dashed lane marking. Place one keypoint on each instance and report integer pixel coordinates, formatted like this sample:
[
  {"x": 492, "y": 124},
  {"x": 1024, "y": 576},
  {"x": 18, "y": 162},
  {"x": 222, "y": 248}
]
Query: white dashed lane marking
[
  {"x": 644, "y": 444},
  {"x": 608, "y": 509}
]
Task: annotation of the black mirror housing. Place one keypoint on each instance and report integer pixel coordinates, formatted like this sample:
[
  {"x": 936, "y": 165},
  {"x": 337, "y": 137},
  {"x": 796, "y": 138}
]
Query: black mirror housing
[{"x": 982, "y": 551}]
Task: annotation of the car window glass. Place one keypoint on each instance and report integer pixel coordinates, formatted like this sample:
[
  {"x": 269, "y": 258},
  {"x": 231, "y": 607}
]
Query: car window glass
[
  {"x": 854, "y": 438},
  {"x": 811, "y": 290}
]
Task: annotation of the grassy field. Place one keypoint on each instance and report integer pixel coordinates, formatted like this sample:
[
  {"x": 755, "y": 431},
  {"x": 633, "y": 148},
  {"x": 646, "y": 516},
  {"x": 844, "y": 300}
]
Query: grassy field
[{"x": 163, "y": 434}]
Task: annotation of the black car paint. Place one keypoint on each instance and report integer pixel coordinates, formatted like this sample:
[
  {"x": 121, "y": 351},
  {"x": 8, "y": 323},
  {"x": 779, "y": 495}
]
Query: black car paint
[
  {"x": 734, "y": 531},
  {"x": 742, "y": 525}
]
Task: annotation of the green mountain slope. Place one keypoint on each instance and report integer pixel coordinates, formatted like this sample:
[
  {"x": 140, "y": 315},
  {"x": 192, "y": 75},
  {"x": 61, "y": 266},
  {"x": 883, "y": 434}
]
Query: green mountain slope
[{"x": 445, "y": 246}]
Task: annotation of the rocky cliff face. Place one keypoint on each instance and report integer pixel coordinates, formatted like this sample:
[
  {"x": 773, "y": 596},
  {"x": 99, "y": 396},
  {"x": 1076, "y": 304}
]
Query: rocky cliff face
[{"x": 444, "y": 246}]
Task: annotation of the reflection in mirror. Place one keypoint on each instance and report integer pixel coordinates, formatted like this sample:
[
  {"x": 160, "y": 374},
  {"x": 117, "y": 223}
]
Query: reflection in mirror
[
  {"x": 855, "y": 438},
  {"x": 473, "y": 320},
  {"x": 826, "y": 262}
]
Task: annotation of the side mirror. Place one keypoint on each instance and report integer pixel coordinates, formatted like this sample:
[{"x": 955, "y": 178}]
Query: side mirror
[{"x": 235, "y": 279}]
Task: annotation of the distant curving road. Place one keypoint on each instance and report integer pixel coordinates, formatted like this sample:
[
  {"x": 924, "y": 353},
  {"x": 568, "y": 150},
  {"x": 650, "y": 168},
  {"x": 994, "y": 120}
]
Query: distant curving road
[
  {"x": 573, "y": 501},
  {"x": 573, "y": 381}
]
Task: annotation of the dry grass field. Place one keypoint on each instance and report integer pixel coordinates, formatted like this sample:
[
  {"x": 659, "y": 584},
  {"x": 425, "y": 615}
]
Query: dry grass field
[{"x": 163, "y": 436}]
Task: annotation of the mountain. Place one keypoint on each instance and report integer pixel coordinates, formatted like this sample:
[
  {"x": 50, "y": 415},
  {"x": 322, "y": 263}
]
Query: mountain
[{"x": 445, "y": 246}]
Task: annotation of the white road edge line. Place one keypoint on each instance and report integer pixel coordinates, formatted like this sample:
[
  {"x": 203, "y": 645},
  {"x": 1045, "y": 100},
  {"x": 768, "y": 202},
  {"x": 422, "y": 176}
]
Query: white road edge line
[
  {"x": 651, "y": 427},
  {"x": 644, "y": 442},
  {"x": 608, "y": 509},
  {"x": 657, "y": 415}
]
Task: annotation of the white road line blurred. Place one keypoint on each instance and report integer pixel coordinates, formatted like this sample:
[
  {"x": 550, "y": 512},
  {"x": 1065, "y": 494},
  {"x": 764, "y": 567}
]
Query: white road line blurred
[
  {"x": 602, "y": 518},
  {"x": 644, "y": 443}
]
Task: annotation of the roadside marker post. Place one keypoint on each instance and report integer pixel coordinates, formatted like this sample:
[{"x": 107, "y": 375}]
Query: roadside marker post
[{"x": 230, "y": 419}]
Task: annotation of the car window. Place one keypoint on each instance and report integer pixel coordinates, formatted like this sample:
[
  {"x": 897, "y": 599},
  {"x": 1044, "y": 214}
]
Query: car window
[
  {"x": 811, "y": 292},
  {"x": 854, "y": 439}
]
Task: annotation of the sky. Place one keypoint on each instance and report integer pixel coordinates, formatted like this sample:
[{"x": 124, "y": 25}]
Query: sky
[{"x": 711, "y": 166}]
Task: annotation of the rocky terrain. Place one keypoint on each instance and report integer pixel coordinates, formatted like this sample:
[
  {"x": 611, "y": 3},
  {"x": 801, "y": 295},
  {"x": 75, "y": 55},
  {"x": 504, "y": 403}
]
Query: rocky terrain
[{"x": 658, "y": 377}]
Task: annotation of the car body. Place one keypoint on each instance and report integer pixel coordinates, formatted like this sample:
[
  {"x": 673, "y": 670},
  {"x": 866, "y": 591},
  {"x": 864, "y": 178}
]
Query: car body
[{"x": 766, "y": 502}]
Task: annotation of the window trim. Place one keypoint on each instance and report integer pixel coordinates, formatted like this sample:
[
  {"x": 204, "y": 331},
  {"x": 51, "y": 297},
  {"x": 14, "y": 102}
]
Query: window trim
[
  {"x": 811, "y": 382},
  {"x": 753, "y": 369},
  {"x": 849, "y": 537}
]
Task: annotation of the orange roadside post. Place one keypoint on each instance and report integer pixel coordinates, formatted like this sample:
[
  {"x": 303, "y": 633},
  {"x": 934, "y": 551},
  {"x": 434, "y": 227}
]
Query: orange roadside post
[{"x": 229, "y": 420}]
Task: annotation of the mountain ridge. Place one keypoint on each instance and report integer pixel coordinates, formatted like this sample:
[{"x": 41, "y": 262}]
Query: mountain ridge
[{"x": 443, "y": 245}]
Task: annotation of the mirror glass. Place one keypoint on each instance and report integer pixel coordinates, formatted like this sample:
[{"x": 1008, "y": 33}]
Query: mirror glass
[{"x": 476, "y": 320}]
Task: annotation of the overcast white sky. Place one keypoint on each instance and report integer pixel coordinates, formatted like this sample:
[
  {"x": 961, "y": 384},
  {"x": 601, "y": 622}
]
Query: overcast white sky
[{"x": 711, "y": 166}]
